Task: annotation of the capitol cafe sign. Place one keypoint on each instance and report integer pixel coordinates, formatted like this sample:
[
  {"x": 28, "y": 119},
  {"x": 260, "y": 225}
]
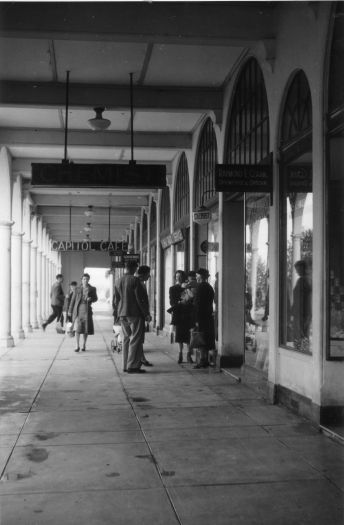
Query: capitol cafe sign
[{"x": 86, "y": 246}]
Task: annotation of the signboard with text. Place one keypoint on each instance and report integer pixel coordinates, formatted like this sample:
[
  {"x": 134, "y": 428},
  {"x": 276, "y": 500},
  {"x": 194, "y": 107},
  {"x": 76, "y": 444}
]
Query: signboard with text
[
  {"x": 99, "y": 175},
  {"x": 243, "y": 178},
  {"x": 85, "y": 246}
]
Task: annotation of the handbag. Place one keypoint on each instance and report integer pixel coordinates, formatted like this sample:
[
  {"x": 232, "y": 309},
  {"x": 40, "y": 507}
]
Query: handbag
[
  {"x": 69, "y": 329},
  {"x": 197, "y": 339},
  {"x": 59, "y": 328}
]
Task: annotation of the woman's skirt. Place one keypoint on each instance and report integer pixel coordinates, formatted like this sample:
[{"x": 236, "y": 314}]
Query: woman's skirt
[{"x": 84, "y": 323}]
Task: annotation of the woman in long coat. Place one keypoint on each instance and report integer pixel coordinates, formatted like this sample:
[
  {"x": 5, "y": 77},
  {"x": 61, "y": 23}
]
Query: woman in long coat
[
  {"x": 80, "y": 311},
  {"x": 181, "y": 314},
  {"x": 203, "y": 314}
]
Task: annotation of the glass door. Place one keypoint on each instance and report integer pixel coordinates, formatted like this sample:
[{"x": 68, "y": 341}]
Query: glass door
[{"x": 257, "y": 280}]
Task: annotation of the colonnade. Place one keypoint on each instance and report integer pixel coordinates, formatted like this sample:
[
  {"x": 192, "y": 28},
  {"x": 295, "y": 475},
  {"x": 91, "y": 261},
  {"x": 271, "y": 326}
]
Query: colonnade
[{"x": 28, "y": 266}]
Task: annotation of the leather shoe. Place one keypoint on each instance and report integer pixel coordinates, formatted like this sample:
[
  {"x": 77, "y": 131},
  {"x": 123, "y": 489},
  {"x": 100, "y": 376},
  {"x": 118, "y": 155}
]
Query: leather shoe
[
  {"x": 146, "y": 363},
  {"x": 136, "y": 371},
  {"x": 77, "y": 350}
]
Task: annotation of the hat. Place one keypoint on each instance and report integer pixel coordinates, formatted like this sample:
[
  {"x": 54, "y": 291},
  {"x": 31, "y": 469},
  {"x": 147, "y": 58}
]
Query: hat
[{"x": 203, "y": 272}]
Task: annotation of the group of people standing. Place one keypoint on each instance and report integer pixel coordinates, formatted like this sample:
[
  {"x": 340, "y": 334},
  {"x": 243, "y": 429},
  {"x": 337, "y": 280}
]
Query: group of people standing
[
  {"x": 78, "y": 308},
  {"x": 191, "y": 300}
]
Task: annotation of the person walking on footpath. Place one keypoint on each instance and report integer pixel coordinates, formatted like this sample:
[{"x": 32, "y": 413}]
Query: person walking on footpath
[
  {"x": 57, "y": 301},
  {"x": 203, "y": 314},
  {"x": 143, "y": 273},
  {"x": 80, "y": 311},
  {"x": 132, "y": 311},
  {"x": 69, "y": 295}
]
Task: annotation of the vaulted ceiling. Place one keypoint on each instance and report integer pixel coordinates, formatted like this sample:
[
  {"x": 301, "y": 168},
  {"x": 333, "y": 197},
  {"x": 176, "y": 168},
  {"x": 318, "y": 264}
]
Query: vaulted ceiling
[{"x": 181, "y": 55}]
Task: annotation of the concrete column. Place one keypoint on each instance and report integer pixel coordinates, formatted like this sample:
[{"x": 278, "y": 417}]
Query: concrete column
[
  {"x": 16, "y": 284},
  {"x": 231, "y": 286},
  {"x": 33, "y": 287},
  {"x": 39, "y": 271},
  {"x": 26, "y": 285},
  {"x": 158, "y": 264},
  {"x": 6, "y": 339}
]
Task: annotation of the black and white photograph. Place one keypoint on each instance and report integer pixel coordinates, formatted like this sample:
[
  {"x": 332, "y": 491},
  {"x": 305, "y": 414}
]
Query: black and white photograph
[{"x": 172, "y": 262}]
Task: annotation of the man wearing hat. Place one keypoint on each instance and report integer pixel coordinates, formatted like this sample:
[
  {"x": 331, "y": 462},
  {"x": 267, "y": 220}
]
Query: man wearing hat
[
  {"x": 132, "y": 310},
  {"x": 203, "y": 312}
]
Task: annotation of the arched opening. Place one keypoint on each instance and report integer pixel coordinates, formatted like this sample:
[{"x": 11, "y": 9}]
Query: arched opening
[
  {"x": 296, "y": 226},
  {"x": 166, "y": 252},
  {"x": 206, "y": 235},
  {"x": 248, "y": 143},
  {"x": 182, "y": 216}
]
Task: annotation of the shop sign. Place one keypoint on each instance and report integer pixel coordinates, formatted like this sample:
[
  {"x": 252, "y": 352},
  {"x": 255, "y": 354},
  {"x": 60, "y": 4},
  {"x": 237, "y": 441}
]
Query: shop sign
[
  {"x": 166, "y": 241},
  {"x": 68, "y": 174},
  {"x": 299, "y": 179},
  {"x": 119, "y": 261},
  {"x": 177, "y": 236},
  {"x": 243, "y": 178},
  {"x": 201, "y": 216},
  {"x": 85, "y": 246}
]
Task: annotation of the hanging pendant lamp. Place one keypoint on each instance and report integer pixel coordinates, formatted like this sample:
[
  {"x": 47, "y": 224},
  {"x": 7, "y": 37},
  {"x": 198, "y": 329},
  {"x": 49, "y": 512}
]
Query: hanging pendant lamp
[{"x": 98, "y": 123}]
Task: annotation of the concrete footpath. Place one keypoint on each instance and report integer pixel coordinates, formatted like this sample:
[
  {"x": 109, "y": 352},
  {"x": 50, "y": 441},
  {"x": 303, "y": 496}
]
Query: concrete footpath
[{"x": 84, "y": 443}]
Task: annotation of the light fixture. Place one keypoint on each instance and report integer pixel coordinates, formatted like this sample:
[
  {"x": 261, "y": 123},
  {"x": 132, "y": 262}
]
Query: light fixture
[
  {"x": 89, "y": 211},
  {"x": 87, "y": 228},
  {"x": 98, "y": 123}
]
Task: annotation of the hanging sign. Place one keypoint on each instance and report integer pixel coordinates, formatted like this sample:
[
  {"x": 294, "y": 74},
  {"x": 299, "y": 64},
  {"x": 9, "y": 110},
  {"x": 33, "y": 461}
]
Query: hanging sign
[
  {"x": 166, "y": 241},
  {"x": 177, "y": 236},
  {"x": 254, "y": 178},
  {"x": 85, "y": 246},
  {"x": 119, "y": 261},
  {"x": 299, "y": 179},
  {"x": 201, "y": 216},
  {"x": 99, "y": 175}
]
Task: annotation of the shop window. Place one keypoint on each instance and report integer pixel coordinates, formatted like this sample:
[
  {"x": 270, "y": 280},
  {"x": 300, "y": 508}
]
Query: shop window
[
  {"x": 182, "y": 191},
  {"x": 205, "y": 166},
  {"x": 165, "y": 209},
  {"x": 296, "y": 233},
  {"x": 153, "y": 221},
  {"x": 248, "y": 144}
]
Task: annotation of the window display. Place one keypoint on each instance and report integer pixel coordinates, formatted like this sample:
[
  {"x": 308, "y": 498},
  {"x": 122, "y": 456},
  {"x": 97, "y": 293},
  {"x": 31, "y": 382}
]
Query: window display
[{"x": 296, "y": 263}]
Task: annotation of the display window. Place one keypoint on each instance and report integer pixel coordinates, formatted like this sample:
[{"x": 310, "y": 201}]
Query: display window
[
  {"x": 248, "y": 145},
  {"x": 296, "y": 218}
]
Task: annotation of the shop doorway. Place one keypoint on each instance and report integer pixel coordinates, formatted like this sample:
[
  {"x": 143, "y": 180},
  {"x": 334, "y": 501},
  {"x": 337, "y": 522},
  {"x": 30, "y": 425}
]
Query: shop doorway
[
  {"x": 102, "y": 279},
  {"x": 257, "y": 281}
]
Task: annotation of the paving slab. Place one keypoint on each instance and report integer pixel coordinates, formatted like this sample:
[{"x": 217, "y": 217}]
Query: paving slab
[
  {"x": 306, "y": 502},
  {"x": 192, "y": 416},
  {"x": 215, "y": 462},
  {"x": 123, "y": 507},
  {"x": 80, "y": 438},
  {"x": 69, "y": 467},
  {"x": 81, "y": 421}
]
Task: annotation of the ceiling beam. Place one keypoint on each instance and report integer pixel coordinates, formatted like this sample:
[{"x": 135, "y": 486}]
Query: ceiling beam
[
  {"x": 200, "y": 23},
  {"x": 89, "y": 139},
  {"x": 79, "y": 211},
  {"x": 53, "y": 94}
]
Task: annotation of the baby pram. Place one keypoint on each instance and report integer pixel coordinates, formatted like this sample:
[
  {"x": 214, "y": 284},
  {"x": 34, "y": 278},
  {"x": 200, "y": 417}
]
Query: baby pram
[{"x": 116, "y": 342}]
